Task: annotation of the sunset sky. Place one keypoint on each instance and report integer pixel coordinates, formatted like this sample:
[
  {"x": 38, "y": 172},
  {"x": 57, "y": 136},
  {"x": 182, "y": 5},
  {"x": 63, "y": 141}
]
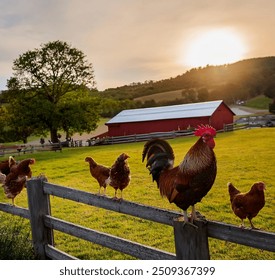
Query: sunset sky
[{"x": 136, "y": 40}]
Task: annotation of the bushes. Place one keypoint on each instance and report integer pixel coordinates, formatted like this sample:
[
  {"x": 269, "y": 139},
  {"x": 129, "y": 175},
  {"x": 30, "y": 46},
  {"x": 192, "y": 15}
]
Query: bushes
[
  {"x": 15, "y": 242},
  {"x": 272, "y": 108}
]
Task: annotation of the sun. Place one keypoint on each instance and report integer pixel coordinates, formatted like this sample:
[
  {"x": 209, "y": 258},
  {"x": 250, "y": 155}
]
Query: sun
[{"x": 214, "y": 47}]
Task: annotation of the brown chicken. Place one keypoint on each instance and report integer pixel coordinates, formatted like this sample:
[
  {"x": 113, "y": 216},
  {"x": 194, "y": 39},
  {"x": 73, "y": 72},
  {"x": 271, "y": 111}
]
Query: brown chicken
[
  {"x": 6, "y": 165},
  {"x": 16, "y": 179},
  {"x": 99, "y": 172},
  {"x": 120, "y": 174},
  {"x": 247, "y": 205},
  {"x": 15, "y": 187},
  {"x": 188, "y": 183},
  {"x": 2, "y": 178}
]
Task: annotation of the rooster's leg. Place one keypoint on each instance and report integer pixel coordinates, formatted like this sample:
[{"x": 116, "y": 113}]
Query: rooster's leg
[
  {"x": 242, "y": 224},
  {"x": 193, "y": 214},
  {"x": 252, "y": 226},
  {"x": 104, "y": 191},
  {"x": 115, "y": 197},
  {"x": 13, "y": 201},
  {"x": 186, "y": 220},
  {"x": 121, "y": 197},
  {"x": 185, "y": 216},
  {"x": 99, "y": 190}
]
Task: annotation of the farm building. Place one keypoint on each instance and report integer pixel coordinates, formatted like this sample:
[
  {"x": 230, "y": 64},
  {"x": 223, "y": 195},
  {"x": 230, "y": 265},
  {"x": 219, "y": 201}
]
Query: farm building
[{"x": 170, "y": 118}]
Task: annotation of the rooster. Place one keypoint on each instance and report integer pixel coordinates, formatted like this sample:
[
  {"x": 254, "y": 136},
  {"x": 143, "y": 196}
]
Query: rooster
[
  {"x": 99, "y": 172},
  {"x": 120, "y": 174},
  {"x": 16, "y": 179},
  {"x": 249, "y": 204},
  {"x": 188, "y": 183}
]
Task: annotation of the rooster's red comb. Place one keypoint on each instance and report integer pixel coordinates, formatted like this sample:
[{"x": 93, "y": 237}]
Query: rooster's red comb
[{"x": 205, "y": 129}]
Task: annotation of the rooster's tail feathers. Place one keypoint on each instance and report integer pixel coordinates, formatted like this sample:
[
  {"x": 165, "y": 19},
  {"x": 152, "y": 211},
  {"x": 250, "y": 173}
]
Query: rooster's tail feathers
[
  {"x": 156, "y": 146},
  {"x": 159, "y": 155}
]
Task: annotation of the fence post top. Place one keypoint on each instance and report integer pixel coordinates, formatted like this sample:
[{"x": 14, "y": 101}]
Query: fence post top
[{"x": 41, "y": 177}]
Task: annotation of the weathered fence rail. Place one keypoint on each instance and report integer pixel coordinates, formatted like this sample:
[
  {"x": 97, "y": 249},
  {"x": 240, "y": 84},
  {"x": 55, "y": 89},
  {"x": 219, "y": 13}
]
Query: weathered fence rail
[
  {"x": 163, "y": 135},
  {"x": 24, "y": 149},
  {"x": 190, "y": 242},
  {"x": 142, "y": 137}
]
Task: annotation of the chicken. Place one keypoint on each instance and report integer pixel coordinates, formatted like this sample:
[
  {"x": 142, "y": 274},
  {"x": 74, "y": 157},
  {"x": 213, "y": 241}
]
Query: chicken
[
  {"x": 15, "y": 187},
  {"x": 99, "y": 172},
  {"x": 2, "y": 178},
  {"x": 249, "y": 204},
  {"x": 6, "y": 165},
  {"x": 188, "y": 183},
  {"x": 12, "y": 163},
  {"x": 16, "y": 179},
  {"x": 120, "y": 174}
]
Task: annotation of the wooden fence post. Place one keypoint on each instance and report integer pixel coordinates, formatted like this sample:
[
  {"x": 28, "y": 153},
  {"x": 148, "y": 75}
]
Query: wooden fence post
[
  {"x": 191, "y": 242},
  {"x": 39, "y": 206}
]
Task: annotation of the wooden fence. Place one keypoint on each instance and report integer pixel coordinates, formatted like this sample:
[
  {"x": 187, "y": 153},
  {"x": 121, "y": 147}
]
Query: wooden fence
[
  {"x": 190, "y": 242},
  {"x": 23, "y": 149},
  {"x": 163, "y": 135},
  {"x": 141, "y": 137}
]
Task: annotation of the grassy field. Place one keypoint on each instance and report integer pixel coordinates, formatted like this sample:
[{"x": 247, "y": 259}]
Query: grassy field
[
  {"x": 162, "y": 96},
  {"x": 259, "y": 102},
  {"x": 243, "y": 157}
]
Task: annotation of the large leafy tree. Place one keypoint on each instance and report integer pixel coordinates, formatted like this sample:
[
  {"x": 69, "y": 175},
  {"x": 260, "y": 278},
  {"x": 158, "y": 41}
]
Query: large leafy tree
[{"x": 50, "y": 91}]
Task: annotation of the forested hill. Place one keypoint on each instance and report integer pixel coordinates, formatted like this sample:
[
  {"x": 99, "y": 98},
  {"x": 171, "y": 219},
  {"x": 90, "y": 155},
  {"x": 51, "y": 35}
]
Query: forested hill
[{"x": 230, "y": 82}]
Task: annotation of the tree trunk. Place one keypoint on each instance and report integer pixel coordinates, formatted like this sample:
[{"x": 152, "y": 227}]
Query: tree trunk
[{"x": 54, "y": 137}]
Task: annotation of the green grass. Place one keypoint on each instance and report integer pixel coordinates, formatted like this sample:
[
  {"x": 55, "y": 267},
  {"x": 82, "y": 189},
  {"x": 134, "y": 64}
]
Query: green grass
[
  {"x": 162, "y": 96},
  {"x": 15, "y": 240},
  {"x": 259, "y": 102},
  {"x": 243, "y": 157}
]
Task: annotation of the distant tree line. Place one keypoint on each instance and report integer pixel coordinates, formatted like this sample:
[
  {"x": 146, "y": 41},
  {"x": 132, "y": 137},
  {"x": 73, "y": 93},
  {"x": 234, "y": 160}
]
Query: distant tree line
[{"x": 238, "y": 81}]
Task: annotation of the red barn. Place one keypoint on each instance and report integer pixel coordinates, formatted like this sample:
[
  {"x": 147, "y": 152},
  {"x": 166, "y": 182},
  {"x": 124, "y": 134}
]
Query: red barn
[{"x": 170, "y": 118}]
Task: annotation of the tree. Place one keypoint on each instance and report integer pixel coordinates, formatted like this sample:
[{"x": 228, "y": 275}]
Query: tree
[
  {"x": 79, "y": 114},
  {"x": 43, "y": 79}
]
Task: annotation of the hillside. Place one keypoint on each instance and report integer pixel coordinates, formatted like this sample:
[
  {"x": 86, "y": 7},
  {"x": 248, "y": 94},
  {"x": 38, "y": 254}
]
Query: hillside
[{"x": 231, "y": 82}]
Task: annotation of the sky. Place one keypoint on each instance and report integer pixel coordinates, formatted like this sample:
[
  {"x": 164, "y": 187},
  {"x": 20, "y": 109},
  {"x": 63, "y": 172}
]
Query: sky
[{"x": 130, "y": 41}]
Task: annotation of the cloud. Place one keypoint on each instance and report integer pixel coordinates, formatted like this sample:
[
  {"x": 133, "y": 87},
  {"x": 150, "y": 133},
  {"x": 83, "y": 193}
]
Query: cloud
[{"x": 129, "y": 41}]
